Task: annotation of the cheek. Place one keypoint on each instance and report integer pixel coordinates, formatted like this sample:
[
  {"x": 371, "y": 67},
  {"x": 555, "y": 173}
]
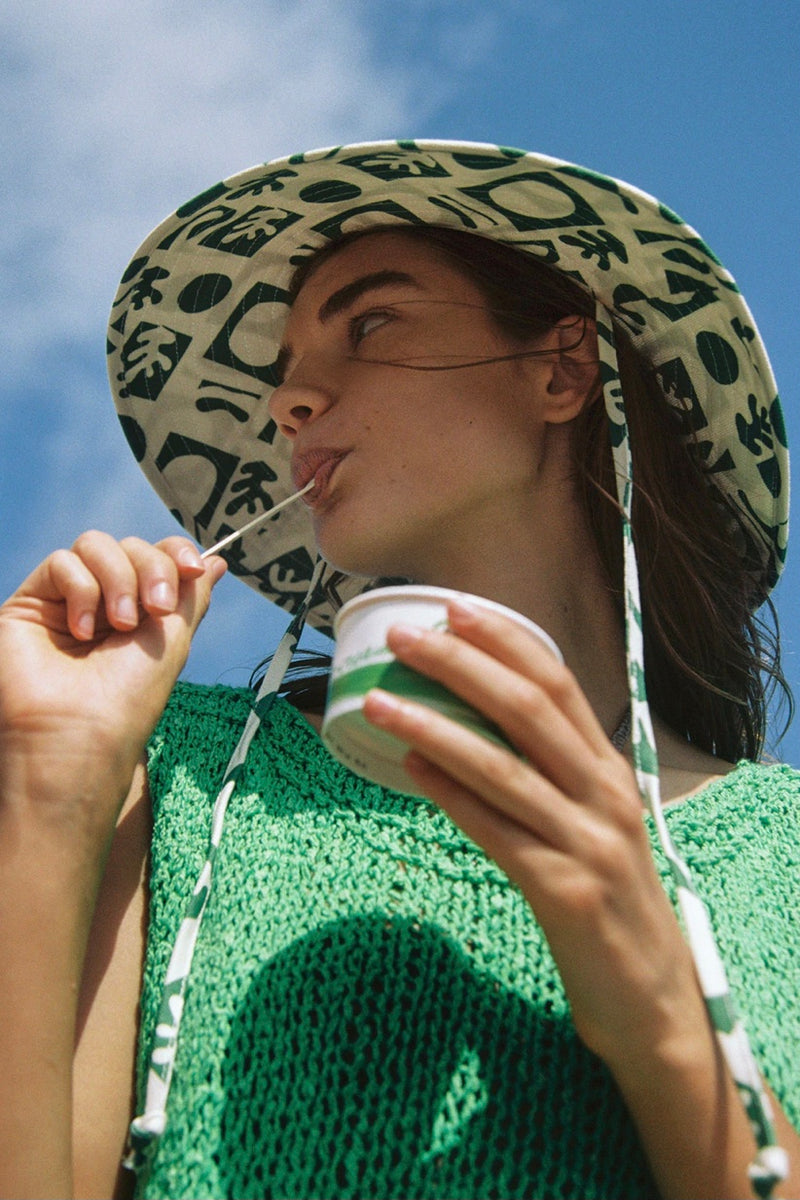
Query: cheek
[{"x": 436, "y": 428}]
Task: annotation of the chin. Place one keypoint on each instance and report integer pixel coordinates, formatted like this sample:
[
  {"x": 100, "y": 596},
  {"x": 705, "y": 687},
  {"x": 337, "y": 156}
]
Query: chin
[
  {"x": 367, "y": 561},
  {"x": 379, "y": 550}
]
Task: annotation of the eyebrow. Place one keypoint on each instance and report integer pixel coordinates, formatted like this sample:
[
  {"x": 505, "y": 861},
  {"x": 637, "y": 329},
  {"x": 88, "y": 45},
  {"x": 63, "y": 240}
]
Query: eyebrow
[{"x": 342, "y": 299}]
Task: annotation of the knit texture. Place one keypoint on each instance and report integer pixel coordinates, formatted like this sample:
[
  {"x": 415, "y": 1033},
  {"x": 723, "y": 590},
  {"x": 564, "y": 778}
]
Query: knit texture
[{"x": 373, "y": 1011}]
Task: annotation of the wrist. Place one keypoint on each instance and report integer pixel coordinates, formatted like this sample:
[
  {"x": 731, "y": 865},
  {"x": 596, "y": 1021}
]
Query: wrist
[
  {"x": 689, "y": 1116},
  {"x": 59, "y": 803},
  {"x": 669, "y": 1034}
]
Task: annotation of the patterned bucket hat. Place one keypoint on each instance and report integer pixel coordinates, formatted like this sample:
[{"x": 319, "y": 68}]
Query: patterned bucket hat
[{"x": 196, "y": 325}]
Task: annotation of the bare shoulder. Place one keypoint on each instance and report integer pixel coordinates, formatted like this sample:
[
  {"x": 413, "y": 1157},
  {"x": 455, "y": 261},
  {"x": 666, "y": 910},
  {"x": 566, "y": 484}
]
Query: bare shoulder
[{"x": 108, "y": 1012}]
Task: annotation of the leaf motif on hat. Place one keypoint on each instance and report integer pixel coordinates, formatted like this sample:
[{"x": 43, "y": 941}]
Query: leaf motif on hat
[
  {"x": 272, "y": 181},
  {"x": 250, "y": 489},
  {"x": 756, "y": 435},
  {"x": 143, "y": 290},
  {"x": 286, "y": 578},
  {"x": 148, "y": 358},
  {"x": 600, "y": 245},
  {"x": 396, "y": 164},
  {"x": 223, "y": 227},
  {"x": 677, "y": 386},
  {"x": 249, "y": 231}
]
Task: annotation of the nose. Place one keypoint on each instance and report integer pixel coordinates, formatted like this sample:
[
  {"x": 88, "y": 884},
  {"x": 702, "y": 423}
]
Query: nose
[{"x": 300, "y": 399}]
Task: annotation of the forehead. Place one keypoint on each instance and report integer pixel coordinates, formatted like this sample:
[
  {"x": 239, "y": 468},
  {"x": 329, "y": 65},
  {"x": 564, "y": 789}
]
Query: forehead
[{"x": 384, "y": 250}]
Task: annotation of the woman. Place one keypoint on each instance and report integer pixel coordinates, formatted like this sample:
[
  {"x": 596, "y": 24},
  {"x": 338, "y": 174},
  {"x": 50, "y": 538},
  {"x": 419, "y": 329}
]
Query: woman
[{"x": 374, "y": 1008}]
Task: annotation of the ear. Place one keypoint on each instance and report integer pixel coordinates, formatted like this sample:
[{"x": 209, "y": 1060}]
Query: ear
[{"x": 574, "y": 381}]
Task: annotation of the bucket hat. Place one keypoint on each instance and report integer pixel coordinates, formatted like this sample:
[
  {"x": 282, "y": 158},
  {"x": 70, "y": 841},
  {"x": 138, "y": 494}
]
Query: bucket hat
[{"x": 196, "y": 325}]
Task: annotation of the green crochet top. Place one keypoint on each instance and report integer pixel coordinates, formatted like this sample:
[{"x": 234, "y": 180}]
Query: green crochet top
[{"x": 373, "y": 1011}]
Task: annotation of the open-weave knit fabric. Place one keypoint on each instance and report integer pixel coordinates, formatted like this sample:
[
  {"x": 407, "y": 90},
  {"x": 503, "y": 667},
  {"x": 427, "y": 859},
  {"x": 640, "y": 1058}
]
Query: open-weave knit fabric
[{"x": 374, "y": 1012}]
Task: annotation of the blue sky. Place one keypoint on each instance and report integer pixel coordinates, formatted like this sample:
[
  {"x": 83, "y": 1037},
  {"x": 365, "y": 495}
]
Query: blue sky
[{"x": 114, "y": 113}]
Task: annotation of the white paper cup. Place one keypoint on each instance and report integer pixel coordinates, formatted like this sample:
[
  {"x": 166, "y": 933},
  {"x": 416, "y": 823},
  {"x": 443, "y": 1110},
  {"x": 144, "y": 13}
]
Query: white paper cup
[{"x": 362, "y": 660}]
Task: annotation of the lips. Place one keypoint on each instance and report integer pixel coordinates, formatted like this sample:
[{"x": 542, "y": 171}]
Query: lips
[{"x": 317, "y": 465}]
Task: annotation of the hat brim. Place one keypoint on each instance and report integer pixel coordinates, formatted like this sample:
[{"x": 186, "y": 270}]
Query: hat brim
[{"x": 197, "y": 322}]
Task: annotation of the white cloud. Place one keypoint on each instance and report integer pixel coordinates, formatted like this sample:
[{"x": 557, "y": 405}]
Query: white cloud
[
  {"x": 114, "y": 113},
  {"x": 118, "y": 112}
]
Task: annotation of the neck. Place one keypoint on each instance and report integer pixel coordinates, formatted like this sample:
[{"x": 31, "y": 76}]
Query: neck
[{"x": 553, "y": 576}]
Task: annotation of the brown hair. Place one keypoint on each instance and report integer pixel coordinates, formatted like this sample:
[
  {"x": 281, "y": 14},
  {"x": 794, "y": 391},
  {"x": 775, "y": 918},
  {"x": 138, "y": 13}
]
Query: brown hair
[{"x": 711, "y": 663}]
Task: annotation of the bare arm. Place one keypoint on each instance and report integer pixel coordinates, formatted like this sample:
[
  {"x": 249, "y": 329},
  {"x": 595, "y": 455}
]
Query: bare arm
[
  {"x": 90, "y": 647},
  {"x": 46, "y": 906}
]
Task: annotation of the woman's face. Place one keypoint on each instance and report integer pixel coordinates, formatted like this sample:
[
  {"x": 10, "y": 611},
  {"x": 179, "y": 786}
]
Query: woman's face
[{"x": 409, "y": 464}]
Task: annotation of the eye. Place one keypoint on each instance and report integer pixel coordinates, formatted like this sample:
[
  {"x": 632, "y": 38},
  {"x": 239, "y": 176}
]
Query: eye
[{"x": 365, "y": 323}]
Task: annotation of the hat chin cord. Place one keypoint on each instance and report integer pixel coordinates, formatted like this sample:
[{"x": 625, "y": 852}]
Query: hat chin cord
[
  {"x": 145, "y": 1130},
  {"x": 771, "y": 1163}
]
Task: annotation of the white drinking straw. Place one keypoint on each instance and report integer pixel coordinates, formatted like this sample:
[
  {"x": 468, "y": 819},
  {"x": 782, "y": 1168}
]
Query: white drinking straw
[{"x": 237, "y": 533}]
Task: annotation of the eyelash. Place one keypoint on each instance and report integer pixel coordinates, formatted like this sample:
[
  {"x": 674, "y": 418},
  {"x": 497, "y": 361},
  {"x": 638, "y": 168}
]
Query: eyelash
[
  {"x": 354, "y": 334},
  {"x": 355, "y": 324}
]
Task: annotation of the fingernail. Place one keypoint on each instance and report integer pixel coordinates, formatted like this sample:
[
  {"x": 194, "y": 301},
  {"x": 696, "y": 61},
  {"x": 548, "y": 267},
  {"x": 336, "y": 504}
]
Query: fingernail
[
  {"x": 380, "y": 706},
  {"x": 160, "y": 596},
  {"x": 405, "y": 636},
  {"x": 84, "y": 625},
  {"x": 189, "y": 557},
  {"x": 126, "y": 610},
  {"x": 463, "y": 610}
]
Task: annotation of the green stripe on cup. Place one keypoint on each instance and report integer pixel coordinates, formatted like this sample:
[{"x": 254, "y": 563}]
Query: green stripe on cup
[{"x": 400, "y": 680}]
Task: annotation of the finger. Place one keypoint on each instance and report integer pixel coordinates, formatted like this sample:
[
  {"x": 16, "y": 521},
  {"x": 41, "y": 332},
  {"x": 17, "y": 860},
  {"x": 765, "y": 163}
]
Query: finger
[
  {"x": 166, "y": 638},
  {"x": 514, "y": 646},
  {"x": 184, "y": 554},
  {"x": 527, "y": 712},
  {"x": 116, "y": 577},
  {"x": 156, "y": 573},
  {"x": 515, "y": 849},
  {"x": 173, "y": 578},
  {"x": 164, "y": 568},
  {"x": 474, "y": 764},
  {"x": 547, "y": 842},
  {"x": 195, "y": 594},
  {"x": 68, "y": 584},
  {"x": 560, "y": 852},
  {"x": 135, "y": 576}
]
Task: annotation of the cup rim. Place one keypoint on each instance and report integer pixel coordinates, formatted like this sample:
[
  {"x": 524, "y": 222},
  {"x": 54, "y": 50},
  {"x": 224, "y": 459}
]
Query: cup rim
[{"x": 412, "y": 591}]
